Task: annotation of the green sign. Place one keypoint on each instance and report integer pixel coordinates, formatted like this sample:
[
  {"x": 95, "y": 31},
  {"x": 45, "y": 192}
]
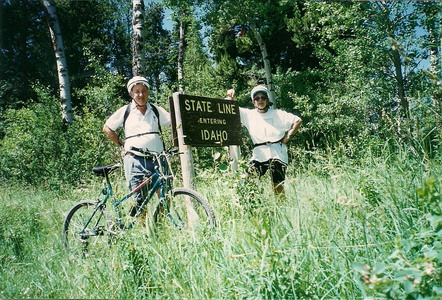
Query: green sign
[{"x": 210, "y": 122}]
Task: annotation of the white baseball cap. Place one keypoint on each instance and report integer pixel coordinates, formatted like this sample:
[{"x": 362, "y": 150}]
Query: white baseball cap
[
  {"x": 259, "y": 89},
  {"x": 135, "y": 80}
]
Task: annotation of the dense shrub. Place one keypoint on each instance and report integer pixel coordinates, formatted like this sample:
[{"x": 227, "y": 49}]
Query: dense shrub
[
  {"x": 37, "y": 147},
  {"x": 33, "y": 144}
]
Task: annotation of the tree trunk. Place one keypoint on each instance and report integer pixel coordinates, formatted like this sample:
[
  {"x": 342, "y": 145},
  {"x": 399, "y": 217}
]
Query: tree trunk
[
  {"x": 434, "y": 55},
  {"x": 137, "y": 37},
  {"x": 62, "y": 69},
  {"x": 400, "y": 83},
  {"x": 396, "y": 57},
  {"x": 181, "y": 57},
  {"x": 431, "y": 11},
  {"x": 265, "y": 58}
]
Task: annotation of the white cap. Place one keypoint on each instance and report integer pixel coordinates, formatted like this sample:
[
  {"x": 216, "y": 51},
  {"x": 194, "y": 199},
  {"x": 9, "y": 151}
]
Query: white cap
[
  {"x": 135, "y": 80},
  {"x": 259, "y": 89}
]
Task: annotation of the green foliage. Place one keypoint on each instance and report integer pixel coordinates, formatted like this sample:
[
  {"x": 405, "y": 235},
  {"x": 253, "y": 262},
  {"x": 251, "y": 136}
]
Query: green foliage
[
  {"x": 33, "y": 139},
  {"x": 89, "y": 28},
  {"x": 413, "y": 270},
  {"x": 229, "y": 27},
  {"x": 24, "y": 40},
  {"x": 18, "y": 231},
  {"x": 38, "y": 149},
  {"x": 430, "y": 199},
  {"x": 157, "y": 48},
  {"x": 331, "y": 62},
  {"x": 198, "y": 71},
  {"x": 97, "y": 29}
]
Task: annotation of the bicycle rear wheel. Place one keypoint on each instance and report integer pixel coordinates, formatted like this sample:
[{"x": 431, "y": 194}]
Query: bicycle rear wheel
[
  {"x": 186, "y": 209},
  {"x": 85, "y": 228}
]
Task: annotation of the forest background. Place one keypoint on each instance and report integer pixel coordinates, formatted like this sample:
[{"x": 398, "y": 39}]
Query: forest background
[{"x": 365, "y": 77}]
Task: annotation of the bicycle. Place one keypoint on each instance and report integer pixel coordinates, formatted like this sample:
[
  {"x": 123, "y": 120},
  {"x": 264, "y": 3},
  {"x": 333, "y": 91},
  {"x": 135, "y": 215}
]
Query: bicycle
[{"x": 88, "y": 223}]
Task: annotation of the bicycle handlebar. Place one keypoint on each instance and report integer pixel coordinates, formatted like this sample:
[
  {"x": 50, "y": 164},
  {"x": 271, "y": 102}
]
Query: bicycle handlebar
[{"x": 147, "y": 152}]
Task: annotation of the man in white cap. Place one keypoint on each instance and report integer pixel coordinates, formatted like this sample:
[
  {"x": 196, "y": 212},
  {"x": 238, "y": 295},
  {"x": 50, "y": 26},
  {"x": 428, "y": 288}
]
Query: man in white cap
[
  {"x": 270, "y": 130},
  {"x": 142, "y": 123}
]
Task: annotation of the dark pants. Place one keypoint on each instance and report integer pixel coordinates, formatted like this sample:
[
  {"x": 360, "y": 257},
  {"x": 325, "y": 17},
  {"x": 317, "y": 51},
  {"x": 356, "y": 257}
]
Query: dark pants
[
  {"x": 136, "y": 169},
  {"x": 277, "y": 169}
]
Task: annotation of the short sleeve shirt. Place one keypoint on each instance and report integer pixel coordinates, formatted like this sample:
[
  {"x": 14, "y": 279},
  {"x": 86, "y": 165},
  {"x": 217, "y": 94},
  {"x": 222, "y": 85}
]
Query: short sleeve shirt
[
  {"x": 270, "y": 126},
  {"x": 137, "y": 123}
]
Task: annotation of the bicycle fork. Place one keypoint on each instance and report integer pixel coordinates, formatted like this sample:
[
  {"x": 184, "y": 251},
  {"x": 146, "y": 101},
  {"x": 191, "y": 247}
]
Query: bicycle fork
[
  {"x": 96, "y": 230},
  {"x": 176, "y": 219}
]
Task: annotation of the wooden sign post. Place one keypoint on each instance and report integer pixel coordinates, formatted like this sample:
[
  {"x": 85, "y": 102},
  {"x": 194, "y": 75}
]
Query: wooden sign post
[
  {"x": 199, "y": 121},
  {"x": 185, "y": 158},
  {"x": 204, "y": 122}
]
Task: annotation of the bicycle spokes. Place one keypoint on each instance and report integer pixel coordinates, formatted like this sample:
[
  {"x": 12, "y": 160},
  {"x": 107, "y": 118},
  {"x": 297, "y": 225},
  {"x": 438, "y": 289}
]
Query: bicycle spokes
[
  {"x": 186, "y": 209},
  {"x": 86, "y": 228}
]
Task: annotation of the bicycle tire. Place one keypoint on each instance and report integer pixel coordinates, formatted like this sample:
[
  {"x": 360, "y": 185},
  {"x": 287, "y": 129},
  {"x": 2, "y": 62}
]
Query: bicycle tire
[
  {"x": 177, "y": 211},
  {"x": 81, "y": 240}
]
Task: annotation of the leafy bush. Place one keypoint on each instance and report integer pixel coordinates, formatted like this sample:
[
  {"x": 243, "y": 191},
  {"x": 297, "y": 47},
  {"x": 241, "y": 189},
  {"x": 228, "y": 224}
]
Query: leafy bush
[
  {"x": 33, "y": 142},
  {"x": 38, "y": 148}
]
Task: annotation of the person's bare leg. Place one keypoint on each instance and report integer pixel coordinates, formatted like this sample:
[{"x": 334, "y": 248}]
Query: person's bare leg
[{"x": 278, "y": 188}]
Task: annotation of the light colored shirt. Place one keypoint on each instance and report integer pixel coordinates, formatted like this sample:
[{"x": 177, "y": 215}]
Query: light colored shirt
[
  {"x": 270, "y": 126},
  {"x": 137, "y": 123}
]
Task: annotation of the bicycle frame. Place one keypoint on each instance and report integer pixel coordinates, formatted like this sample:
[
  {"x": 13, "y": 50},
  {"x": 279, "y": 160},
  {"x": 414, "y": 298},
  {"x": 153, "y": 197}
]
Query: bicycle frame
[
  {"x": 184, "y": 207},
  {"x": 161, "y": 182}
]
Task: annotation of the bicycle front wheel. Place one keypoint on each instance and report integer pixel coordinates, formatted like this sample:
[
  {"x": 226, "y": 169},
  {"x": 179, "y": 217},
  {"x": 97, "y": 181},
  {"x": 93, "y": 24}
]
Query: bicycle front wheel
[
  {"x": 185, "y": 209},
  {"x": 85, "y": 228}
]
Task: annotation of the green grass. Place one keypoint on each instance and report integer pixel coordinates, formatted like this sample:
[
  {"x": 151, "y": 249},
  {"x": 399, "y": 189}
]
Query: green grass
[{"x": 336, "y": 214}]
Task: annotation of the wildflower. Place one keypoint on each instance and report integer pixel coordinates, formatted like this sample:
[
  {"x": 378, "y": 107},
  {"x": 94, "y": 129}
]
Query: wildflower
[
  {"x": 429, "y": 268},
  {"x": 374, "y": 279}
]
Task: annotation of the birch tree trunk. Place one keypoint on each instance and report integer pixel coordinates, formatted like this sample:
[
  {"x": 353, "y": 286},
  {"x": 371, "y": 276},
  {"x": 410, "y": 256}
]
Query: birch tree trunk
[
  {"x": 391, "y": 27},
  {"x": 265, "y": 58},
  {"x": 434, "y": 52},
  {"x": 431, "y": 21},
  {"x": 435, "y": 62},
  {"x": 431, "y": 10},
  {"x": 137, "y": 37},
  {"x": 181, "y": 57},
  {"x": 62, "y": 69}
]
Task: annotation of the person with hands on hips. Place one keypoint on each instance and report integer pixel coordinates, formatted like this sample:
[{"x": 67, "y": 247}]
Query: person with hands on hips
[
  {"x": 142, "y": 123},
  {"x": 270, "y": 130}
]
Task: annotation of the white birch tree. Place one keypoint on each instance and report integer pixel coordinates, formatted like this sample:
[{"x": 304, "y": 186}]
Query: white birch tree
[
  {"x": 137, "y": 37},
  {"x": 60, "y": 56},
  {"x": 266, "y": 61},
  {"x": 252, "y": 15},
  {"x": 181, "y": 56}
]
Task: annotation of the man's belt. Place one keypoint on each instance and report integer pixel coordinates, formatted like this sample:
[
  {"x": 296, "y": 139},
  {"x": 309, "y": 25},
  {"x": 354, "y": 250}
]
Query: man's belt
[
  {"x": 141, "y": 134},
  {"x": 267, "y": 143},
  {"x": 145, "y": 152}
]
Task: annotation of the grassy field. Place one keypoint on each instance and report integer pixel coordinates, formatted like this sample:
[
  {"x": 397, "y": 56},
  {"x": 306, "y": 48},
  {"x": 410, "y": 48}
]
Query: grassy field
[{"x": 345, "y": 231}]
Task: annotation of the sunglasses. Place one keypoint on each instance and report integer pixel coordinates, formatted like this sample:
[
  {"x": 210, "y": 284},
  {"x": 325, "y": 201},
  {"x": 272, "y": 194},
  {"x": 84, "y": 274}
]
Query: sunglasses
[{"x": 260, "y": 98}]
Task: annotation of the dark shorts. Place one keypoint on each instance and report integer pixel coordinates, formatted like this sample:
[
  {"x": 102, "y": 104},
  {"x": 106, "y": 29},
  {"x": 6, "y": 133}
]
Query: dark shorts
[{"x": 277, "y": 169}]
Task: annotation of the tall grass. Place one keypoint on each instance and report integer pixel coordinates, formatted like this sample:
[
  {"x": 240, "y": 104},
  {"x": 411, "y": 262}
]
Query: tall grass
[{"x": 336, "y": 213}]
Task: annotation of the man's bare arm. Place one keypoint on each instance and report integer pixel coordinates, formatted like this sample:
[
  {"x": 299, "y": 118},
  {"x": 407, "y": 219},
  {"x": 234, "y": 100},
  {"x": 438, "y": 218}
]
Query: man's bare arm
[{"x": 112, "y": 135}]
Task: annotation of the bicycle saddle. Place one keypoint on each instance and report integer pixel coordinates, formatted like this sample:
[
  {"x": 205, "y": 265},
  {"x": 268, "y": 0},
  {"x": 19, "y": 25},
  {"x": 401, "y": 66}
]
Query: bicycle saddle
[{"x": 103, "y": 170}]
